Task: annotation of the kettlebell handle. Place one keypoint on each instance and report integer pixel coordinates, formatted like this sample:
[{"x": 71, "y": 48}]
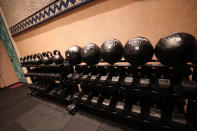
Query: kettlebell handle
[
  {"x": 28, "y": 56},
  {"x": 44, "y": 54},
  {"x": 49, "y": 53},
  {"x": 56, "y": 52},
  {"x": 35, "y": 55}
]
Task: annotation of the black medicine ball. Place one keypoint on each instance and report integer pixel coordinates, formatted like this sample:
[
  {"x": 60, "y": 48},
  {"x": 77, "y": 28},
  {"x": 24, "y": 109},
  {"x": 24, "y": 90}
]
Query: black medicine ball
[
  {"x": 138, "y": 51},
  {"x": 90, "y": 54},
  {"x": 175, "y": 48},
  {"x": 111, "y": 51},
  {"x": 73, "y": 55}
]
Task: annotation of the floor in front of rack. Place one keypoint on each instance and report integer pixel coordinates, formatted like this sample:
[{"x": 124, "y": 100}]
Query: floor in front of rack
[{"x": 19, "y": 112}]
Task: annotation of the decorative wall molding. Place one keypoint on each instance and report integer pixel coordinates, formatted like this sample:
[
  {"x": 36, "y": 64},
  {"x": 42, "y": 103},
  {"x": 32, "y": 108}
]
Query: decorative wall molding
[
  {"x": 54, "y": 9},
  {"x": 7, "y": 42}
]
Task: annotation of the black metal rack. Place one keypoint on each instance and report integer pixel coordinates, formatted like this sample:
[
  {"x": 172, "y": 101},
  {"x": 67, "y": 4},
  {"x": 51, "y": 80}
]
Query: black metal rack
[{"x": 153, "y": 95}]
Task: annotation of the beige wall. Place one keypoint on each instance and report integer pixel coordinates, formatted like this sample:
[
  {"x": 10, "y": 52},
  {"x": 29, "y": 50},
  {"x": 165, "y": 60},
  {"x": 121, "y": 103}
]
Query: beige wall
[
  {"x": 7, "y": 73},
  {"x": 102, "y": 19}
]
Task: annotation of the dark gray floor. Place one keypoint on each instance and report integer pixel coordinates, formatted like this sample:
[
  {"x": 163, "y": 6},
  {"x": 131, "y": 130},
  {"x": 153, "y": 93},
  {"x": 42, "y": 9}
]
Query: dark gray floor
[{"x": 19, "y": 112}]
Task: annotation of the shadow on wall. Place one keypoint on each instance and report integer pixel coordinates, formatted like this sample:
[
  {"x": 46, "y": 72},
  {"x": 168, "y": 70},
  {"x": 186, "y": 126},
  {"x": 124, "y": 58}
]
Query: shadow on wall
[{"x": 47, "y": 26}]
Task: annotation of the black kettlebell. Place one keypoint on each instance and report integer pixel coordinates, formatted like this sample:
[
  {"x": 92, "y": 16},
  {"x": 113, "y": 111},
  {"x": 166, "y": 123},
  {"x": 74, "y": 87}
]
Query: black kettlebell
[
  {"x": 90, "y": 54},
  {"x": 57, "y": 58},
  {"x": 175, "y": 48},
  {"x": 111, "y": 51},
  {"x": 28, "y": 60},
  {"x": 37, "y": 59},
  {"x": 73, "y": 55},
  {"x": 22, "y": 61},
  {"x": 45, "y": 58},
  {"x": 25, "y": 60},
  {"x": 32, "y": 59},
  {"x": 39, "y": 55},
  {"x": 138, "y": 51},
  {"x": 50, "y": 54}
]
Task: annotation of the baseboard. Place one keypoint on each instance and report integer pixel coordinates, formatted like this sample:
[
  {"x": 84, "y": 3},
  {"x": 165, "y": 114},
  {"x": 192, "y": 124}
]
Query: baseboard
[{"x": 11, "y": 85}]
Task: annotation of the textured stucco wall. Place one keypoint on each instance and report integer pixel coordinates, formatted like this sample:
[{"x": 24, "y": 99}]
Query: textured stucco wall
[
  {"x": 17, "y": 10},
  {"x": 102, "y": 19}
]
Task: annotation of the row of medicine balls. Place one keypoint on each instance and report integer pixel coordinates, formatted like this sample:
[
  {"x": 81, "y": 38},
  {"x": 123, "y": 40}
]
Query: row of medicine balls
[{"x": 173, "y": 49}]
